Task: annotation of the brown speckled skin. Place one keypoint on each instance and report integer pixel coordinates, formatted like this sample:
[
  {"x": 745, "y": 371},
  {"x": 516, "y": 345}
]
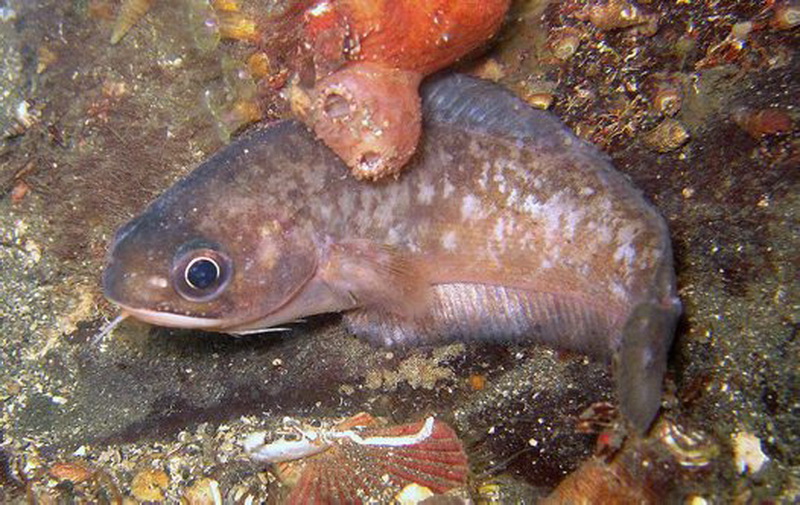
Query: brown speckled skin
[{"x": 505, "y": 226}]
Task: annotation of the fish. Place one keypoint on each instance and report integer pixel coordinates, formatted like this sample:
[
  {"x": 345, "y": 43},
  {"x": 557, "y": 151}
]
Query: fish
[{"x": 504, "y": 227}]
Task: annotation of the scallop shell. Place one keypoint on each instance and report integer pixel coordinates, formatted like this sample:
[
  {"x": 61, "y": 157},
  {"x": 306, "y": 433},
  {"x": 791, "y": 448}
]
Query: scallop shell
[{"x": 351, "y": 473}]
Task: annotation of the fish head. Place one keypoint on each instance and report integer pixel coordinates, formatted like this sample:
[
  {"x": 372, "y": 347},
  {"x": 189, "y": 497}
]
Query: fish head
[{"x": 207, "y": 261}]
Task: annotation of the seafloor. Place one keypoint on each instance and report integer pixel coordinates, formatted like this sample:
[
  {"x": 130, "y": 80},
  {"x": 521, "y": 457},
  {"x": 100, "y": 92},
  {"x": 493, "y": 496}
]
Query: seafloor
[{"x": 93, "y": 131}]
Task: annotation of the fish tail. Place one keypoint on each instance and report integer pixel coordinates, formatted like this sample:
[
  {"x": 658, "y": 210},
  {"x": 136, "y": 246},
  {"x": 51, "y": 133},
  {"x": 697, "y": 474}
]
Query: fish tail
[{"x": 641, "y": 360}]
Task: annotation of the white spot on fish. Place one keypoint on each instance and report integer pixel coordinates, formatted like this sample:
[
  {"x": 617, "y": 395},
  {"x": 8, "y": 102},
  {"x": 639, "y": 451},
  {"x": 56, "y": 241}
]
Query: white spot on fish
[
  {"x": 626, "y": 252},
  {"x": 501, "y": 187},
  {"x": 346, "y": 204},
  {"x": 448, "y": 189},
  {"x": 484, "y": 179},
  {"x": 499, "y": 230},
  {"x": 571, "y": 222},
  {"x": 325, "y": 212},
  {"x": 603, "y": 233},
  {"x": 618, "y": 291},
  {"x": 157, "y": 281},
  {"x": 513, "y": 197},
  {"x": 450, "y": 241},
  {"x": 470, "y": 207},
  {"x": 426, "y": 193},
  {"x": 393, "y": 237},
  {"x": 532, "y": 206}
]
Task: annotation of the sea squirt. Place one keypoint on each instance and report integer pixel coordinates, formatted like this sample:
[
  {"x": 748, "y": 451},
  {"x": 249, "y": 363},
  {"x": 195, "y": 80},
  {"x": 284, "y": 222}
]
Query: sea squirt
[
  {"x": 383, "y": 49},
  {"x": 505, "y": 226}
]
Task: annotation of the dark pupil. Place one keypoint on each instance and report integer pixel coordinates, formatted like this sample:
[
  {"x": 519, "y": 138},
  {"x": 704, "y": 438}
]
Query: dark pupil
[{"x": 202, "y": 274}]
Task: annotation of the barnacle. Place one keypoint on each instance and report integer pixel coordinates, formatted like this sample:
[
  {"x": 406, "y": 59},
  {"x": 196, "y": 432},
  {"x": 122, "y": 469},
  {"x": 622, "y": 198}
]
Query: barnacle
[
  {"x": 564, "y": 43},
  {"x": 259, "y": 65},
  {"x": 617, "y": 14},
  {"x": 665, "y": 93},
  {"x": 26, "y": 115},
  {"x": 667, "y": 136},
  {"x": 747, "y": 452},
  {"x": 130, "y": 12}
]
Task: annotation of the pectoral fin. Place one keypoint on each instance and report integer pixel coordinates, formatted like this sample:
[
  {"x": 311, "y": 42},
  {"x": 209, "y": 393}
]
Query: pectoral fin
[
  {"x": 641, "y": 361},
  {"x": 378, "y": 276}
]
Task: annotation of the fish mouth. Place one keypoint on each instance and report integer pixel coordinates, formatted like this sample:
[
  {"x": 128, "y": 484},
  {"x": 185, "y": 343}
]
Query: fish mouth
[{"x": 171, "y": 320}]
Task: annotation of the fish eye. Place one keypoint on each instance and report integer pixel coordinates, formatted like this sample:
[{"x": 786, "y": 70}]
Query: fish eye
[
  {"x": 201, "y": 272},
  {"x": 200, "y": 275}
]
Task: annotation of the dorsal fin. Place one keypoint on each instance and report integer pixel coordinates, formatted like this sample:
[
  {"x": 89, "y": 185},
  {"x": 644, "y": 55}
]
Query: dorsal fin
[{"x": 481, "y": 106}]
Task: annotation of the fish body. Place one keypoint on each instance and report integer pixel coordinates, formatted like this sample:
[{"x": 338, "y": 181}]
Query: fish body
[{"x": 505, "y": 226}]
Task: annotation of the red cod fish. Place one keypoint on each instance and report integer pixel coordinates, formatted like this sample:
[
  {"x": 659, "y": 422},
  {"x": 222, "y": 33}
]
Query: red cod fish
[{"x": 505, "y": 226}]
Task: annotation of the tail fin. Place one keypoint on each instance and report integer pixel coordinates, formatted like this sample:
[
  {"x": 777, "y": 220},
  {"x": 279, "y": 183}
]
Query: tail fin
[{"x": 641, "y": 361}]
